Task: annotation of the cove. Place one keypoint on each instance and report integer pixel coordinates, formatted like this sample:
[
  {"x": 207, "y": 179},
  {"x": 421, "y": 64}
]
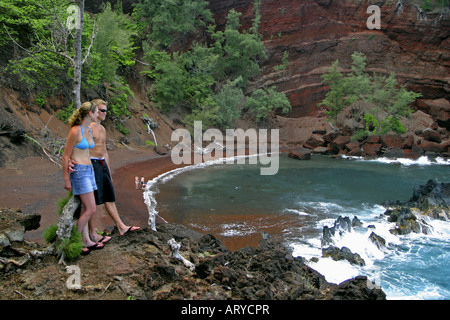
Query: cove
[{"x": 238, "y": 205}]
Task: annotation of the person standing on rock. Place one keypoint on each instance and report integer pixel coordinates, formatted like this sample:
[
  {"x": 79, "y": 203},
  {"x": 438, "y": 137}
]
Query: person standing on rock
[
  {"x": 81, "y": 180},
  {"x": 100, "y": 159}
]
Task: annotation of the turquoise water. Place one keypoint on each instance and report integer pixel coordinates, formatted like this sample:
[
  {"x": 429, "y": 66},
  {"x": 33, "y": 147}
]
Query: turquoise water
[{"x": 236, "y": 203}]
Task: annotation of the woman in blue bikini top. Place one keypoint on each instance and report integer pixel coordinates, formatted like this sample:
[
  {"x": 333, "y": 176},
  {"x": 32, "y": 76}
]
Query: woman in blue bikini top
[
  {"x": 77, "y": 148},
  {"x": 78, "y": 142},
  {"x": 84, "y": 144}
]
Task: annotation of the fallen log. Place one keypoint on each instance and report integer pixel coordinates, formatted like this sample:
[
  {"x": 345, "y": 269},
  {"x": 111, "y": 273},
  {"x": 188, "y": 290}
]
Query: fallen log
[{"x": 65, "y": 225}]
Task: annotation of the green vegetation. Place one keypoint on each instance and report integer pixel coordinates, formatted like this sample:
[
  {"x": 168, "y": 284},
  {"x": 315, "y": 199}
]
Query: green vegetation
[
  {"x": 263, "y": 101},
  {"x": 377, "y": 100},
  {"x": 195, "y": 69},
  {"x": 209, "y": 79},
  {"x": 165, "y": 22},
  {"x": 40, "y": 64},
  {"x": 429, "y": 5},
  {"x": 71, "y": 247},
  {"x": 284, "y": 63}
]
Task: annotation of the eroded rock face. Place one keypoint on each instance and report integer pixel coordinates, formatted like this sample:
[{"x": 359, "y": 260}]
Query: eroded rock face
[
  {"x": 432, "y": 199},
  {"x": 429, "y": 200},
  {"x": 412, "y": 43}
]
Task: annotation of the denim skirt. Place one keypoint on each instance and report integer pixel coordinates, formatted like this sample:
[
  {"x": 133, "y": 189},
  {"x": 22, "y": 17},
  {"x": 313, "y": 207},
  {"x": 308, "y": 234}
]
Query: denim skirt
[{"x": 83, "y": 179}]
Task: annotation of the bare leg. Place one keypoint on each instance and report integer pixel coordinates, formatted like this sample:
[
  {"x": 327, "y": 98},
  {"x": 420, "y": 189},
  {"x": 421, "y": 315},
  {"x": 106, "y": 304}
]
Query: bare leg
[
  {"x": 88, "y": 210},
  {"x": 113, "y": 212}
]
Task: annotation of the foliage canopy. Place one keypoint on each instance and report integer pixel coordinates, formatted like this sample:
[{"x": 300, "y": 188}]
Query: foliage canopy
[
  {"x": 376, "y": 99},
  {"x": 206, "y": 78}
]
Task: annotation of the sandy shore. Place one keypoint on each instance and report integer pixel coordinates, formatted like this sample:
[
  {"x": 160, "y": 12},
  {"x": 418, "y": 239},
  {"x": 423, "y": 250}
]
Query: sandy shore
[{"x": 35, "y": 184}]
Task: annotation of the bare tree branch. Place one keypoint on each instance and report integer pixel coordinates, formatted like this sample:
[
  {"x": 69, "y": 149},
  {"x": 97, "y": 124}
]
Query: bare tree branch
[
  {"x": 15, "y": 42},
  {"x": 94, "y": 33}
]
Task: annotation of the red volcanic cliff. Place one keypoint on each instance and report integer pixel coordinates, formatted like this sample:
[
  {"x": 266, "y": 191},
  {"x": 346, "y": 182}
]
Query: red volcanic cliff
[{"x": 413, "y": 44}]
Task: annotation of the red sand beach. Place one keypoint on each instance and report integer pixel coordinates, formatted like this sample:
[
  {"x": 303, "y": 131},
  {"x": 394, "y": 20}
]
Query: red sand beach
[{"x": 35, "y": 185}]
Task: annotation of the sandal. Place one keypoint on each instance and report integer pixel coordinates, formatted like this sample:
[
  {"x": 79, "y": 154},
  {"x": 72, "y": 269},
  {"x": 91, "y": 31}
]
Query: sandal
[{"x": 95, "y": 247}]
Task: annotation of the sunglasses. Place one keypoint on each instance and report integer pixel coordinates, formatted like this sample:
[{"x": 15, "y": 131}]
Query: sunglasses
[{"x": 102, "y": 110}]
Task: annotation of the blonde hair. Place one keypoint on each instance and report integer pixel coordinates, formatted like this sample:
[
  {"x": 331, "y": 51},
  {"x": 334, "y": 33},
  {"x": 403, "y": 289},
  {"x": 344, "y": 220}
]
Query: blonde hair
[
  {"x": 99, "y": 102},
  {"x": 79, "y": 114}
]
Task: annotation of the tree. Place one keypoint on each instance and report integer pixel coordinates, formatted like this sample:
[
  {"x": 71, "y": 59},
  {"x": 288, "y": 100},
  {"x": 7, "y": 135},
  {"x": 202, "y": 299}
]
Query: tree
[
  {"x": 114, "y": 44},
  {"x": 167, "y": 21},
  {"x": 229, "y": 99},
  {"x": 263, "y": 101},
  {"x": 379, "y": 98},
  {"x": 76, "y": 60},
  {"x": 170, "y": 79},
  {"x": 240, "y": 51},
  {"x": 50, "y": 33},
  {"x": 390, "y": 103},
  {"x": 335, "y": 100}
]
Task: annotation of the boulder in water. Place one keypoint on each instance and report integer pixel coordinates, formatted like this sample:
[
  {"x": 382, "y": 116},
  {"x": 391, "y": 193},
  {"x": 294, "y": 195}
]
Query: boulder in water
[
  {"x": 359, "y": 288},
  {"x": 380, "y": 242},
  {"x": 428, "y": 200},
  {"x": 343, "y": 254},
  {"x": 341, "y": 225},
  {"x": 432, "y": 197}
]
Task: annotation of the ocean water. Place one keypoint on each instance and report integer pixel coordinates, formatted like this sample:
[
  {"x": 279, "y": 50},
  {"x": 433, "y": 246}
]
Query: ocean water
[{"x": 236, "y": 203}]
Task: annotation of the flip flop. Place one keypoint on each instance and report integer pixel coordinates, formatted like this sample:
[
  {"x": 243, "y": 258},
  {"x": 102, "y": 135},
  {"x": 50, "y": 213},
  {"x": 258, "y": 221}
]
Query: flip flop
[
  {"x": 129, "y": 230},
  {"x": 103, "y": 238},
  {"x": 95, "y": 247},
  {"x": 85, "y": 252}
]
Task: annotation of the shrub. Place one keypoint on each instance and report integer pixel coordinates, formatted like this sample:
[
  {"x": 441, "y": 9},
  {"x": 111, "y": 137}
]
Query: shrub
[
  {"x": 71, "y": 247},
  {"x": 383, "y": 98},
  {"x": 49, "y": 233}
]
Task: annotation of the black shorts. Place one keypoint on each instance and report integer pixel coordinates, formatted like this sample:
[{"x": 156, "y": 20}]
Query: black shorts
[{"x": 105, "y": 189}]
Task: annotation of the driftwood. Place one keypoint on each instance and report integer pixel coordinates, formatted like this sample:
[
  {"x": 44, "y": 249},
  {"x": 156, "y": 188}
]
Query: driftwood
[
  {"x": 175, "y": 248},
  {"x": 65, "y": 225}
]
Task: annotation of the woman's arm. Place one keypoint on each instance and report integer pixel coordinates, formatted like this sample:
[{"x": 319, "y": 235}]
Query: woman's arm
[{"x": 71, "y": 141}]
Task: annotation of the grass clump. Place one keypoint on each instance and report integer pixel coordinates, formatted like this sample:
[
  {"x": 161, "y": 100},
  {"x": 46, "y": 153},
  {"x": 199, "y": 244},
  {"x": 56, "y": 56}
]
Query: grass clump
[{"x": 71, "y": 247}]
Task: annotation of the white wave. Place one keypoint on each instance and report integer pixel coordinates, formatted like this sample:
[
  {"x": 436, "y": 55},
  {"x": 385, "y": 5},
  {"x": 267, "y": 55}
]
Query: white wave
[
  {"x": 314, "y": 207},
  {"x": 357, "y": 240},
  {"x": 407, "y": 290},
  {"x": 236, "y": 230},
  {"x": 297, "y": 212},
  {"x": 440, "y": 229},
  {"x": 151, "y": 187},
  {"x": 202, "y": 227},
  {"x": 335, "y": 271},
  {"x": 305, "y": 250},
  {"x": 421, "y": 161},
  {"x": 360, "y": 243}
]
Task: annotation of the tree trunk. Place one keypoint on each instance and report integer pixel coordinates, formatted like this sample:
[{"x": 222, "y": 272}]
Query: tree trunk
[
  {"x": 65, "y": 224},
  {"x": 77, "y": 59}
]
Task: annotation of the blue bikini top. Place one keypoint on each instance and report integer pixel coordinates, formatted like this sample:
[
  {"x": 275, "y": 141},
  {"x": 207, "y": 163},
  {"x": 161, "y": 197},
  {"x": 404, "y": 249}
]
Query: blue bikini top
[{"x": 84, "y": 144}]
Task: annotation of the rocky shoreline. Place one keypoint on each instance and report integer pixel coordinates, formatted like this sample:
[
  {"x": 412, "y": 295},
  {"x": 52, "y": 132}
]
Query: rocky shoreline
[
  {"x": 427, "y": 134},
  {"x": 391, "y": 146},
  {"x": 429, "y": 201},
  {"x": 141, "y": 265}
]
